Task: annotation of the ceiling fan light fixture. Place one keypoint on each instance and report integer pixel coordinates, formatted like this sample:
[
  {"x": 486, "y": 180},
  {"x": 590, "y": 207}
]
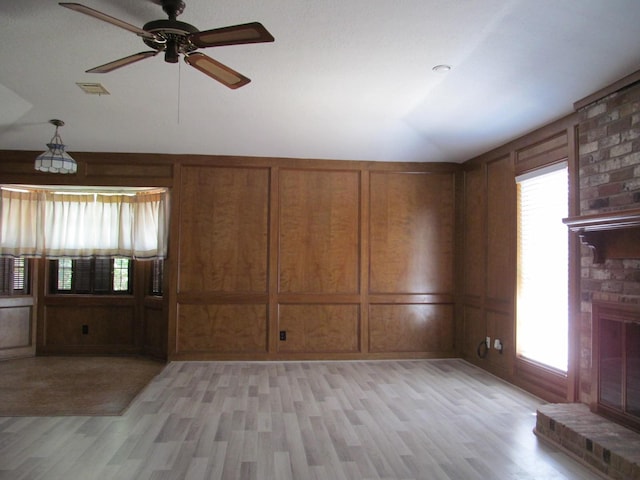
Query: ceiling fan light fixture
[{"x": 55, "y": 159}]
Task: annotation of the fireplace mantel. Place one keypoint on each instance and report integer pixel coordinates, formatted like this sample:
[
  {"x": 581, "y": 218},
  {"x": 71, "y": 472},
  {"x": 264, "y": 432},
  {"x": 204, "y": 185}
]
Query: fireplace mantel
[{"x": 610, "y": 234}]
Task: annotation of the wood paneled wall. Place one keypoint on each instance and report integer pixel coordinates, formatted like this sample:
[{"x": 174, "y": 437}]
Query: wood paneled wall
[
  {"x": 314, "y": 259},
  {"x": 339, "y": 259},
  {"x": 344, "y": 259},
  {"x": 488, "y": 252}
]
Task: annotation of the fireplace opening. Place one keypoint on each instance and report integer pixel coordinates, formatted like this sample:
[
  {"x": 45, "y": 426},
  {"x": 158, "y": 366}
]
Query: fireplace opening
[{"x": 616, "y": 349}]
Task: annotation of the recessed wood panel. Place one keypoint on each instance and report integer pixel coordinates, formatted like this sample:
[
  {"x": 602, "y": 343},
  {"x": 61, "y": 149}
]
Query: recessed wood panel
[
  {"x": 105, "y": 325},
  {"x": 474, "y": 191},
  {"x": 319, "y": 328},
  {"x": 501, "y": 225},
  {"x": 155, "y": 330},
  {"x": 222, "y": 328},
  {"x": 501, "y": 326},
  {"x": 475, "y": 332},
  {"x": 223, "y": 229},
  {"x": 319, "y": 231},
  {"x": 133, "y": 169},
  {"x": 542, "y": 153},
  {"x": 411, "y": 328},
  {"x": 411, "y": 232},
  {"x": 15, "y": 327}
]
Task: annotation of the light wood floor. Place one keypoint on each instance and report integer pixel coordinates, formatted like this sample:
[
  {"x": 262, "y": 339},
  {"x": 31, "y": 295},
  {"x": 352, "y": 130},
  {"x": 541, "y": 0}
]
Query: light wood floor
[{"x": 431, "y": 419}]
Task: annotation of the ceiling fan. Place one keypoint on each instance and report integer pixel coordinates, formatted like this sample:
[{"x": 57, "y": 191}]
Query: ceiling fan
[{"x": 175, "y": 38}]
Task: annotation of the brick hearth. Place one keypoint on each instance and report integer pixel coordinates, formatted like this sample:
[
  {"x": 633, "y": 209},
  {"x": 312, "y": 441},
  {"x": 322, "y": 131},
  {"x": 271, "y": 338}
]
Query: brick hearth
[{"x": 597, "y": 442}]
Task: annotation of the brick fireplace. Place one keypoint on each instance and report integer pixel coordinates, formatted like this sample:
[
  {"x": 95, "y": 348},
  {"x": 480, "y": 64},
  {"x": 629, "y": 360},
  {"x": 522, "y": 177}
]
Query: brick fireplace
[
  {"x": 608, "y": 224},
  {"x": 609, "y": 176}
]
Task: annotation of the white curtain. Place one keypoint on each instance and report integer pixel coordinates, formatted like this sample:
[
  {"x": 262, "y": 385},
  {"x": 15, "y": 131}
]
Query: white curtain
[
  {"x": 21, "y": 215},
  {"x": 46, "y": 223}
]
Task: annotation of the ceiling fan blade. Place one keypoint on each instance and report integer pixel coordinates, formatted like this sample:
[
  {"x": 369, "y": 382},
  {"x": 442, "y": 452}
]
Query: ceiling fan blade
[
  {"x": 123, "y": 62},
  {"x": 234, "y": 35},
  {"x": 108, "y": 18},
  {"x": 216, "y": 70}
]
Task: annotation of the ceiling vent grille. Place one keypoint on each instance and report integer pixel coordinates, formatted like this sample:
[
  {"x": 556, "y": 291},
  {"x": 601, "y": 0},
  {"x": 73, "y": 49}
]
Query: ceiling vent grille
[{"x": 93, "y": 88}]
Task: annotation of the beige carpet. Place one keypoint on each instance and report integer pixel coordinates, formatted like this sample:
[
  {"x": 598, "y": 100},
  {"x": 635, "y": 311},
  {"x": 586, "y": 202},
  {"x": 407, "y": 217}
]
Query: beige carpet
[{"x": 60, "y": 386}]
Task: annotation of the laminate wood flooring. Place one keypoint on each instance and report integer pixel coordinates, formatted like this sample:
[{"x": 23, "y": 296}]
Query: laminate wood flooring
[{"x": 414, "y": 419}]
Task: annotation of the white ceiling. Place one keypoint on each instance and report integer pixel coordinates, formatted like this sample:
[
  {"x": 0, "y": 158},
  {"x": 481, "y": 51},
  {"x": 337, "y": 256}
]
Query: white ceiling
[{"x": 348, "y": 80}]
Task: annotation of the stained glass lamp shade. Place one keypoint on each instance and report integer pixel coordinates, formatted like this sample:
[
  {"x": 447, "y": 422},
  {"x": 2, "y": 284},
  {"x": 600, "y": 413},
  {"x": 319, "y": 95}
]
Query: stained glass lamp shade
[{"x": 55, "y": 159}]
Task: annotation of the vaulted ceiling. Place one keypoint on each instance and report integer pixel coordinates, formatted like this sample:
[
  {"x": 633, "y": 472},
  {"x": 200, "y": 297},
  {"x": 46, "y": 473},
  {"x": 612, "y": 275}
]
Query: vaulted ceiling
[{"x": 350, "y": 80}]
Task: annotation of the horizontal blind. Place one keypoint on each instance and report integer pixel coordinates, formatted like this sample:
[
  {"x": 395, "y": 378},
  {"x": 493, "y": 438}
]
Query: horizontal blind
[
  {"x": 20, "y": 275},
  {"x": 542, "y": 326}
]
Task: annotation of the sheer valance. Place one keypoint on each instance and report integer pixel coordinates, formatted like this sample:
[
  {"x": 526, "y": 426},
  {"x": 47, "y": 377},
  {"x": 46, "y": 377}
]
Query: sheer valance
[{"x": 44, "y": 223}]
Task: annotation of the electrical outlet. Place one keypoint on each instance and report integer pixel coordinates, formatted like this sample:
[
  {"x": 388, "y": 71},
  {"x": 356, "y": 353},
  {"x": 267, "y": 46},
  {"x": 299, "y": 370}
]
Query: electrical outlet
[
  {"x": 283, "y": 335},
  {"x": 85, "y": 329}
]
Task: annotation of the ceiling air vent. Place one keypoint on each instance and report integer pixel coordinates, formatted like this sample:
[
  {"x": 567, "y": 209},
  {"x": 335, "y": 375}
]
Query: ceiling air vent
[{"x": 92, "y": 88}]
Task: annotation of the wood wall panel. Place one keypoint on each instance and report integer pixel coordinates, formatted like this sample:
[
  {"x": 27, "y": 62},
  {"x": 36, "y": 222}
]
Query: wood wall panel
[
  {"x": 501, "y": 226},
  {"x": 154, "y": 338},
  {"x": 475, "y": 330},
  {"x": 542, "y": 153},
  {"x": 222, "y": 328},
  {"x": 94, "y": 169},
  {"x": 411, "y": 328},
  {"x": 120, "y": 170},
  {"x": 474, "y": 244},
  {"x": 319, "y": 328},
  {"x": 319, "y": 231},
  {"x": 109, "y": 325},
  {"x": 223, "y": 229},
  {"x": 411, "y": 232},
  {"x": 501, "y": 325},
  {"x": 15, "y": 327}
]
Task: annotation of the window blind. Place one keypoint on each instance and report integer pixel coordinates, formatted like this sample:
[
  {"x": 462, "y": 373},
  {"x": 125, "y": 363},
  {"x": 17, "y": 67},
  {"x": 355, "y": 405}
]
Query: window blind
[{"x": 542, "y": 293}]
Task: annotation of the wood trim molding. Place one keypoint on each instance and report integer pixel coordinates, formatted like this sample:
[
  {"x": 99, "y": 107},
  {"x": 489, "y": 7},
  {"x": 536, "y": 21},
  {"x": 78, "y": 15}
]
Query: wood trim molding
[
  {"x": 608, "y": 90},
  {"x": 604, "y": 221}
]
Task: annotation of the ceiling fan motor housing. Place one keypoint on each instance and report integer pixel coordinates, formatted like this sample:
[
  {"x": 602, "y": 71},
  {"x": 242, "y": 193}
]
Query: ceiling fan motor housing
[{"x": 175, "y": 35}]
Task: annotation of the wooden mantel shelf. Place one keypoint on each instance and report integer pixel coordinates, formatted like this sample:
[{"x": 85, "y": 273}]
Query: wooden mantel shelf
[{"x": 610, "y": 235}]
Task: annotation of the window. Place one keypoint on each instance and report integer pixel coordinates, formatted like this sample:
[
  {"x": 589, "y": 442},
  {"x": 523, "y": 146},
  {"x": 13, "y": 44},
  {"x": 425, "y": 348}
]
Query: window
[
  {"x": 543, "y": 267},
  {"x": 14, "y": 276},
  {"x": 96, "y": 276}
]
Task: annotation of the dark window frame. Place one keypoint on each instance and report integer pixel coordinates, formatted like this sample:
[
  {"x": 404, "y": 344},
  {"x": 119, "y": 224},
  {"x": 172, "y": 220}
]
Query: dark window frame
[
  {"x": 156, "y": 280},
  {"x": 15, "y": 276},
  {"x": 89, "y": 276}
]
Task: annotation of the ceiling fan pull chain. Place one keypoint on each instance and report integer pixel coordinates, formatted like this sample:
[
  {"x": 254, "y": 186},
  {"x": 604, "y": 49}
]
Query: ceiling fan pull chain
[{"x": 179, "y": 88}]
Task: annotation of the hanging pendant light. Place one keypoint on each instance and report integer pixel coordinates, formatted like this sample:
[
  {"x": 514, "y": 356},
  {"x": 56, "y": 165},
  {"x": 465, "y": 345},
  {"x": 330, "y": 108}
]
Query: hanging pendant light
[{"x": 56, "y": 160}]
